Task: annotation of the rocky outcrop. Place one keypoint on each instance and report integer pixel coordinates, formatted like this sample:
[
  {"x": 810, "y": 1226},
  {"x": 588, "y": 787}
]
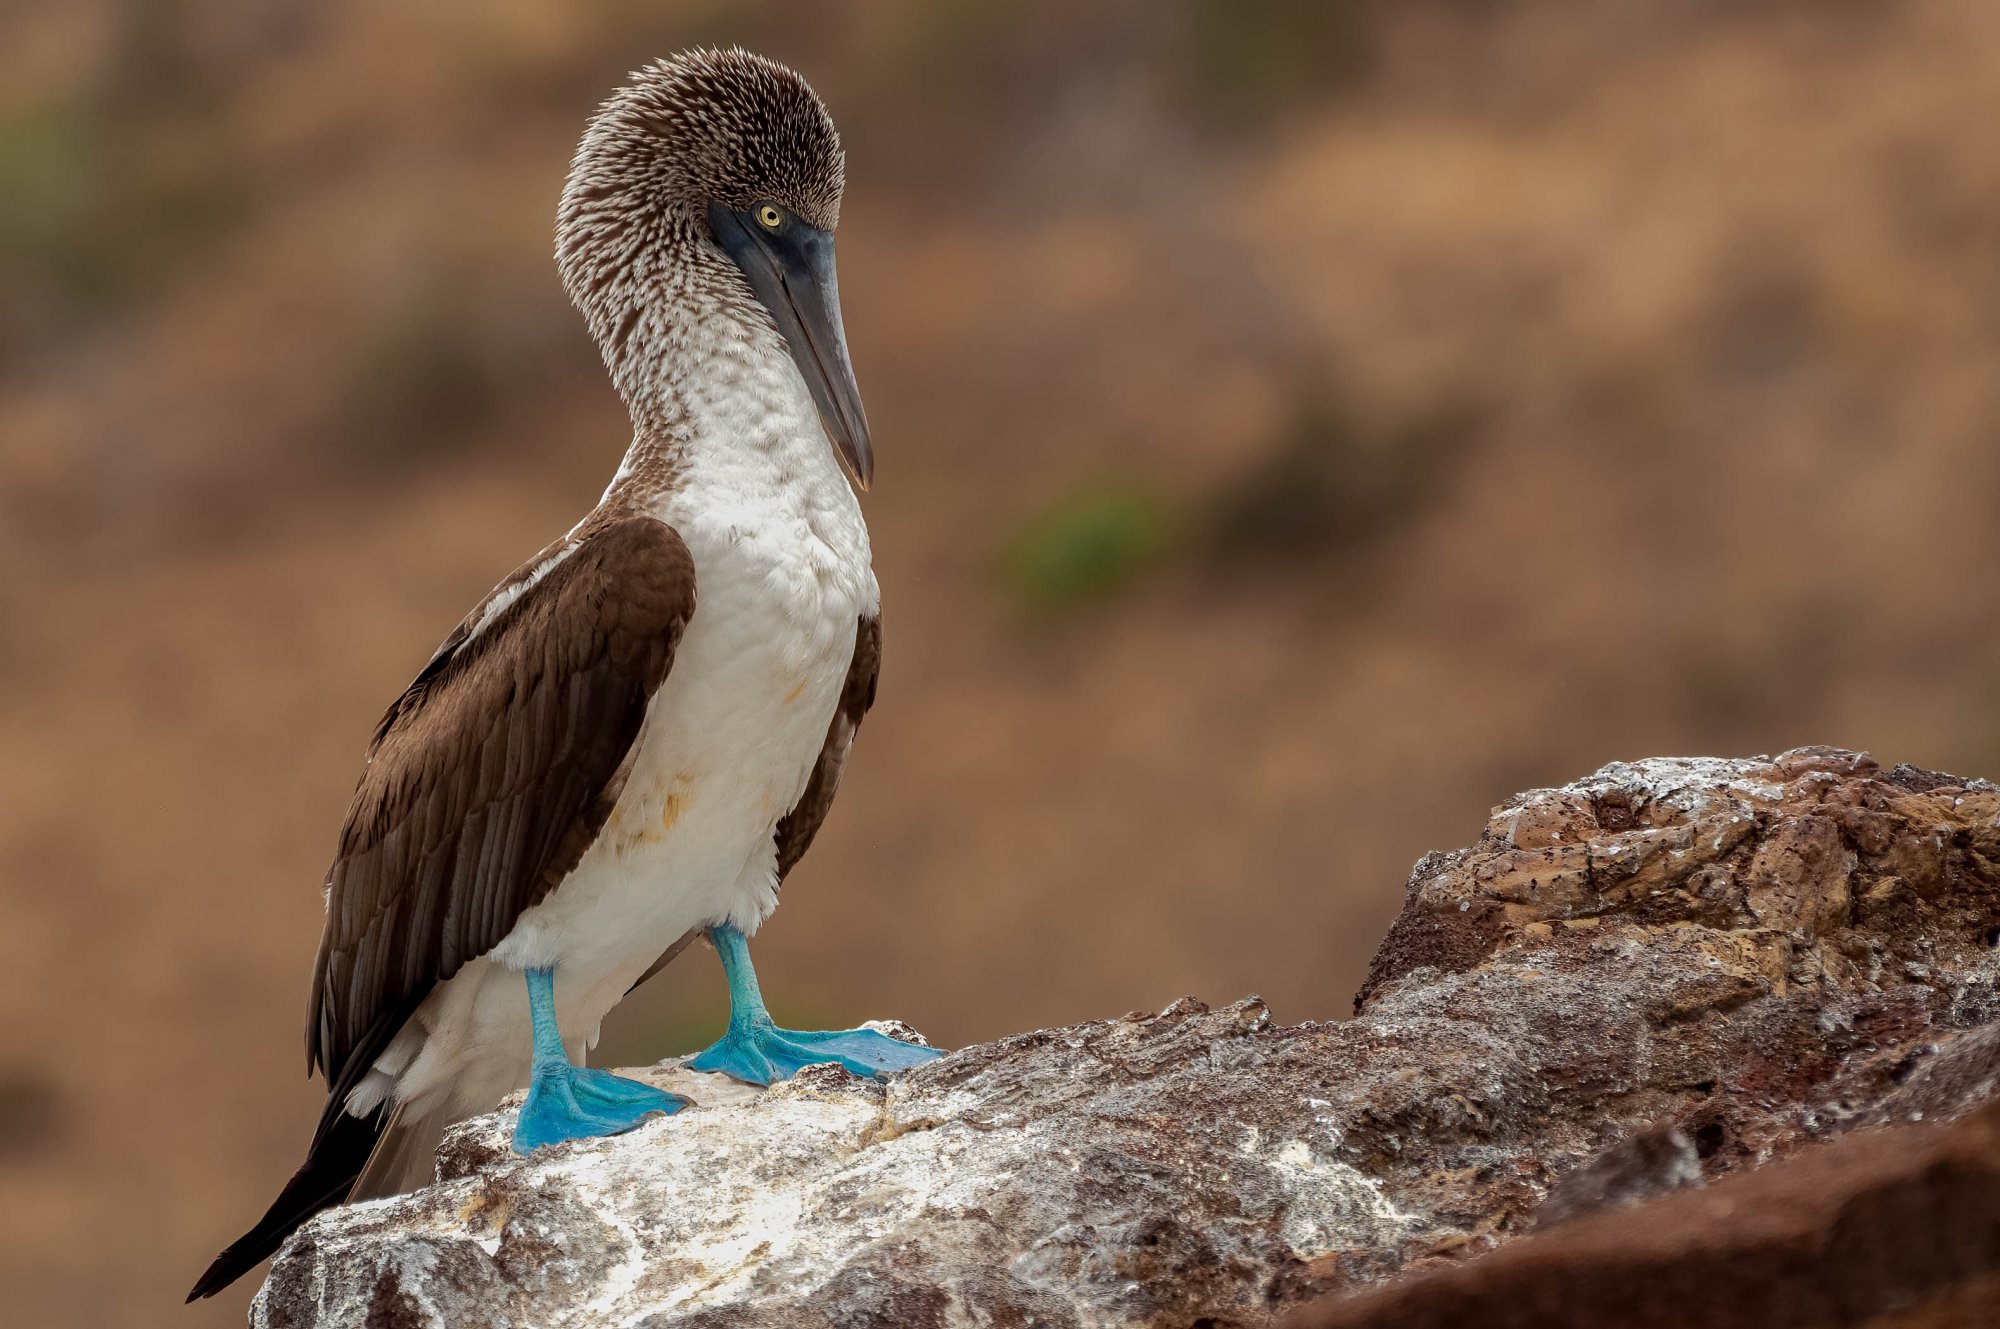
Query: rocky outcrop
[
  {"x": 1892, "y": 1229},
  {"x": 1640, "y": 984}
]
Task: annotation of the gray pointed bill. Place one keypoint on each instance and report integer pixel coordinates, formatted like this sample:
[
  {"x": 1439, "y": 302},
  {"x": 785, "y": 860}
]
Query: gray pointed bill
[{"x": 792, "y": 272}]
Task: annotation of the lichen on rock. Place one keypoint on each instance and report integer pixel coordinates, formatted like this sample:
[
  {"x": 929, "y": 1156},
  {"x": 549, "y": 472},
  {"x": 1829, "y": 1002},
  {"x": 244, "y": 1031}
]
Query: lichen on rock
[{"x": 1668, "y": 972}]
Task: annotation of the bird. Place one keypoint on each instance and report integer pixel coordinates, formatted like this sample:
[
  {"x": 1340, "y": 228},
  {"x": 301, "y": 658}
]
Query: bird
[{"x": 635, "y": 737}]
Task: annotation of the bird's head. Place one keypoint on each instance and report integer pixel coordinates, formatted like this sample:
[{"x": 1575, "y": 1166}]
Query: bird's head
[{"x": 714, "y": 151}]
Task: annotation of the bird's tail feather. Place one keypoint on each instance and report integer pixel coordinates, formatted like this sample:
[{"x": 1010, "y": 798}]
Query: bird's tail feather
[
  {"x": 405, "y": 1158},
  {"x": 338, "y": 1157}
]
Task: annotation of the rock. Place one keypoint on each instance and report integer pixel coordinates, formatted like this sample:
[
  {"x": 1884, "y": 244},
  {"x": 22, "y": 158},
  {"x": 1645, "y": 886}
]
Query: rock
[
  {"x": 1627, "y": 989},
  {"x": 1895, "y": 1229}
]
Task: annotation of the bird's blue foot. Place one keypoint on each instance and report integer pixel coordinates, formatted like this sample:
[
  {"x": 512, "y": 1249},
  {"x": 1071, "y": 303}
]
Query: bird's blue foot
[
  {"x": 568, "y": 1102},
  {"x": 758, "y": 1052}
]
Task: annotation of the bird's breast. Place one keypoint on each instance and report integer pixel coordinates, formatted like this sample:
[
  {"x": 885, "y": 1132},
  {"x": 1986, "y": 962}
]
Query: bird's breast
[
  {"x": 731, "y": 737},
  {"x": 782, "y": 581}
]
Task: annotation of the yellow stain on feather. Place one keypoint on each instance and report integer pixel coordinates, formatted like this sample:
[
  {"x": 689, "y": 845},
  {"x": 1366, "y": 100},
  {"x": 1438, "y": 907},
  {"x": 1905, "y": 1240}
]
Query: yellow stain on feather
[
  {"x": 793, "y": 695},
  {"x": 670, "y": 810},
  {"x": 675, "y": 792}
]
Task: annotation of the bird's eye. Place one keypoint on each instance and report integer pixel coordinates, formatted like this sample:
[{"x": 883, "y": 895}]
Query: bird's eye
[{"x": 769, "y": 217}]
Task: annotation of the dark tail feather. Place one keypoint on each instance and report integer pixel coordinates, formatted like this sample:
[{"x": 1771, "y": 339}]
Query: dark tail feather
[{"x": 321, "y": 1182}]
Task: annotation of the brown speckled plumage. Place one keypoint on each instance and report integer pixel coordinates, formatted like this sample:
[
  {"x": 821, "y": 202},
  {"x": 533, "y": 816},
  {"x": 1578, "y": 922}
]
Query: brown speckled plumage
[{"x": 631, "y": 238}]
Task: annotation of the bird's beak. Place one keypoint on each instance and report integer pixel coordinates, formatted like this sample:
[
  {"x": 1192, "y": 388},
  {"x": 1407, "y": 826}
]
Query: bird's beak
[{"x": 792, "y": 273}]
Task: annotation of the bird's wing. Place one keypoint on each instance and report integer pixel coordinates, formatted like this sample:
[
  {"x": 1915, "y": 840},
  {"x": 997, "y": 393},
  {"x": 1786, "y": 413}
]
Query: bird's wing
[
  {"x": 489, "y": 778},
  {"x": 796, "y": 831}
]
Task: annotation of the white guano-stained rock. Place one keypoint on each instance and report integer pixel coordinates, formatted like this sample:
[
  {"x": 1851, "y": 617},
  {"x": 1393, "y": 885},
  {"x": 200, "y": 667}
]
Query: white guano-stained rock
[{"x": 1073, "y": 1177}]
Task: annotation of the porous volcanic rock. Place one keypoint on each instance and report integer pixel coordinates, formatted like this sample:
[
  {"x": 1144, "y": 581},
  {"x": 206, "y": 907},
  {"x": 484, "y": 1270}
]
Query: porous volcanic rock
[{"x": 1668, "y": 972}]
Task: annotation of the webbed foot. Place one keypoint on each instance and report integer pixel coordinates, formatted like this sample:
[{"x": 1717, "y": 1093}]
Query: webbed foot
[
  {"x": 568, "y": 1102},
  {"x": 758, "y": 1052}
]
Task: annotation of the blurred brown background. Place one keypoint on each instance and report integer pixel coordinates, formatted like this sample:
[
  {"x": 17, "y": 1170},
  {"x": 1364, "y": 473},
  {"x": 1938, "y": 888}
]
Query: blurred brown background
[{"x": 1300, "y": 425}]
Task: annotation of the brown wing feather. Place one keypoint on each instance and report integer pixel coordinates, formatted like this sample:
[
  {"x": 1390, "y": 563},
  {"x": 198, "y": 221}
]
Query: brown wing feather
[{"x": 488, "y": 779}]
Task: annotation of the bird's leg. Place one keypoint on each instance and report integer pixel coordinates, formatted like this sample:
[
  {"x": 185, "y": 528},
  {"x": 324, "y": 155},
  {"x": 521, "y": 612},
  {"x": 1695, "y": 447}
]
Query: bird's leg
[
  {"x": 567, "y": 1102},
  {"x": 758, "y": 1052}
]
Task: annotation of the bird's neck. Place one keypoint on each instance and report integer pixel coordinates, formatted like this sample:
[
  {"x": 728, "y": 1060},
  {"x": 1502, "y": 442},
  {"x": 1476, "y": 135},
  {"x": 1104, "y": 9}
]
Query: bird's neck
[{"x": 715, "y": 400}]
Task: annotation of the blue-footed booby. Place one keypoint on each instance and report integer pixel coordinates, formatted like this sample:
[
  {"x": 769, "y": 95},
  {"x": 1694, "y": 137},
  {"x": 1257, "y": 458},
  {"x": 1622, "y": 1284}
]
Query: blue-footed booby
[{"x": 637, "y": 734}]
